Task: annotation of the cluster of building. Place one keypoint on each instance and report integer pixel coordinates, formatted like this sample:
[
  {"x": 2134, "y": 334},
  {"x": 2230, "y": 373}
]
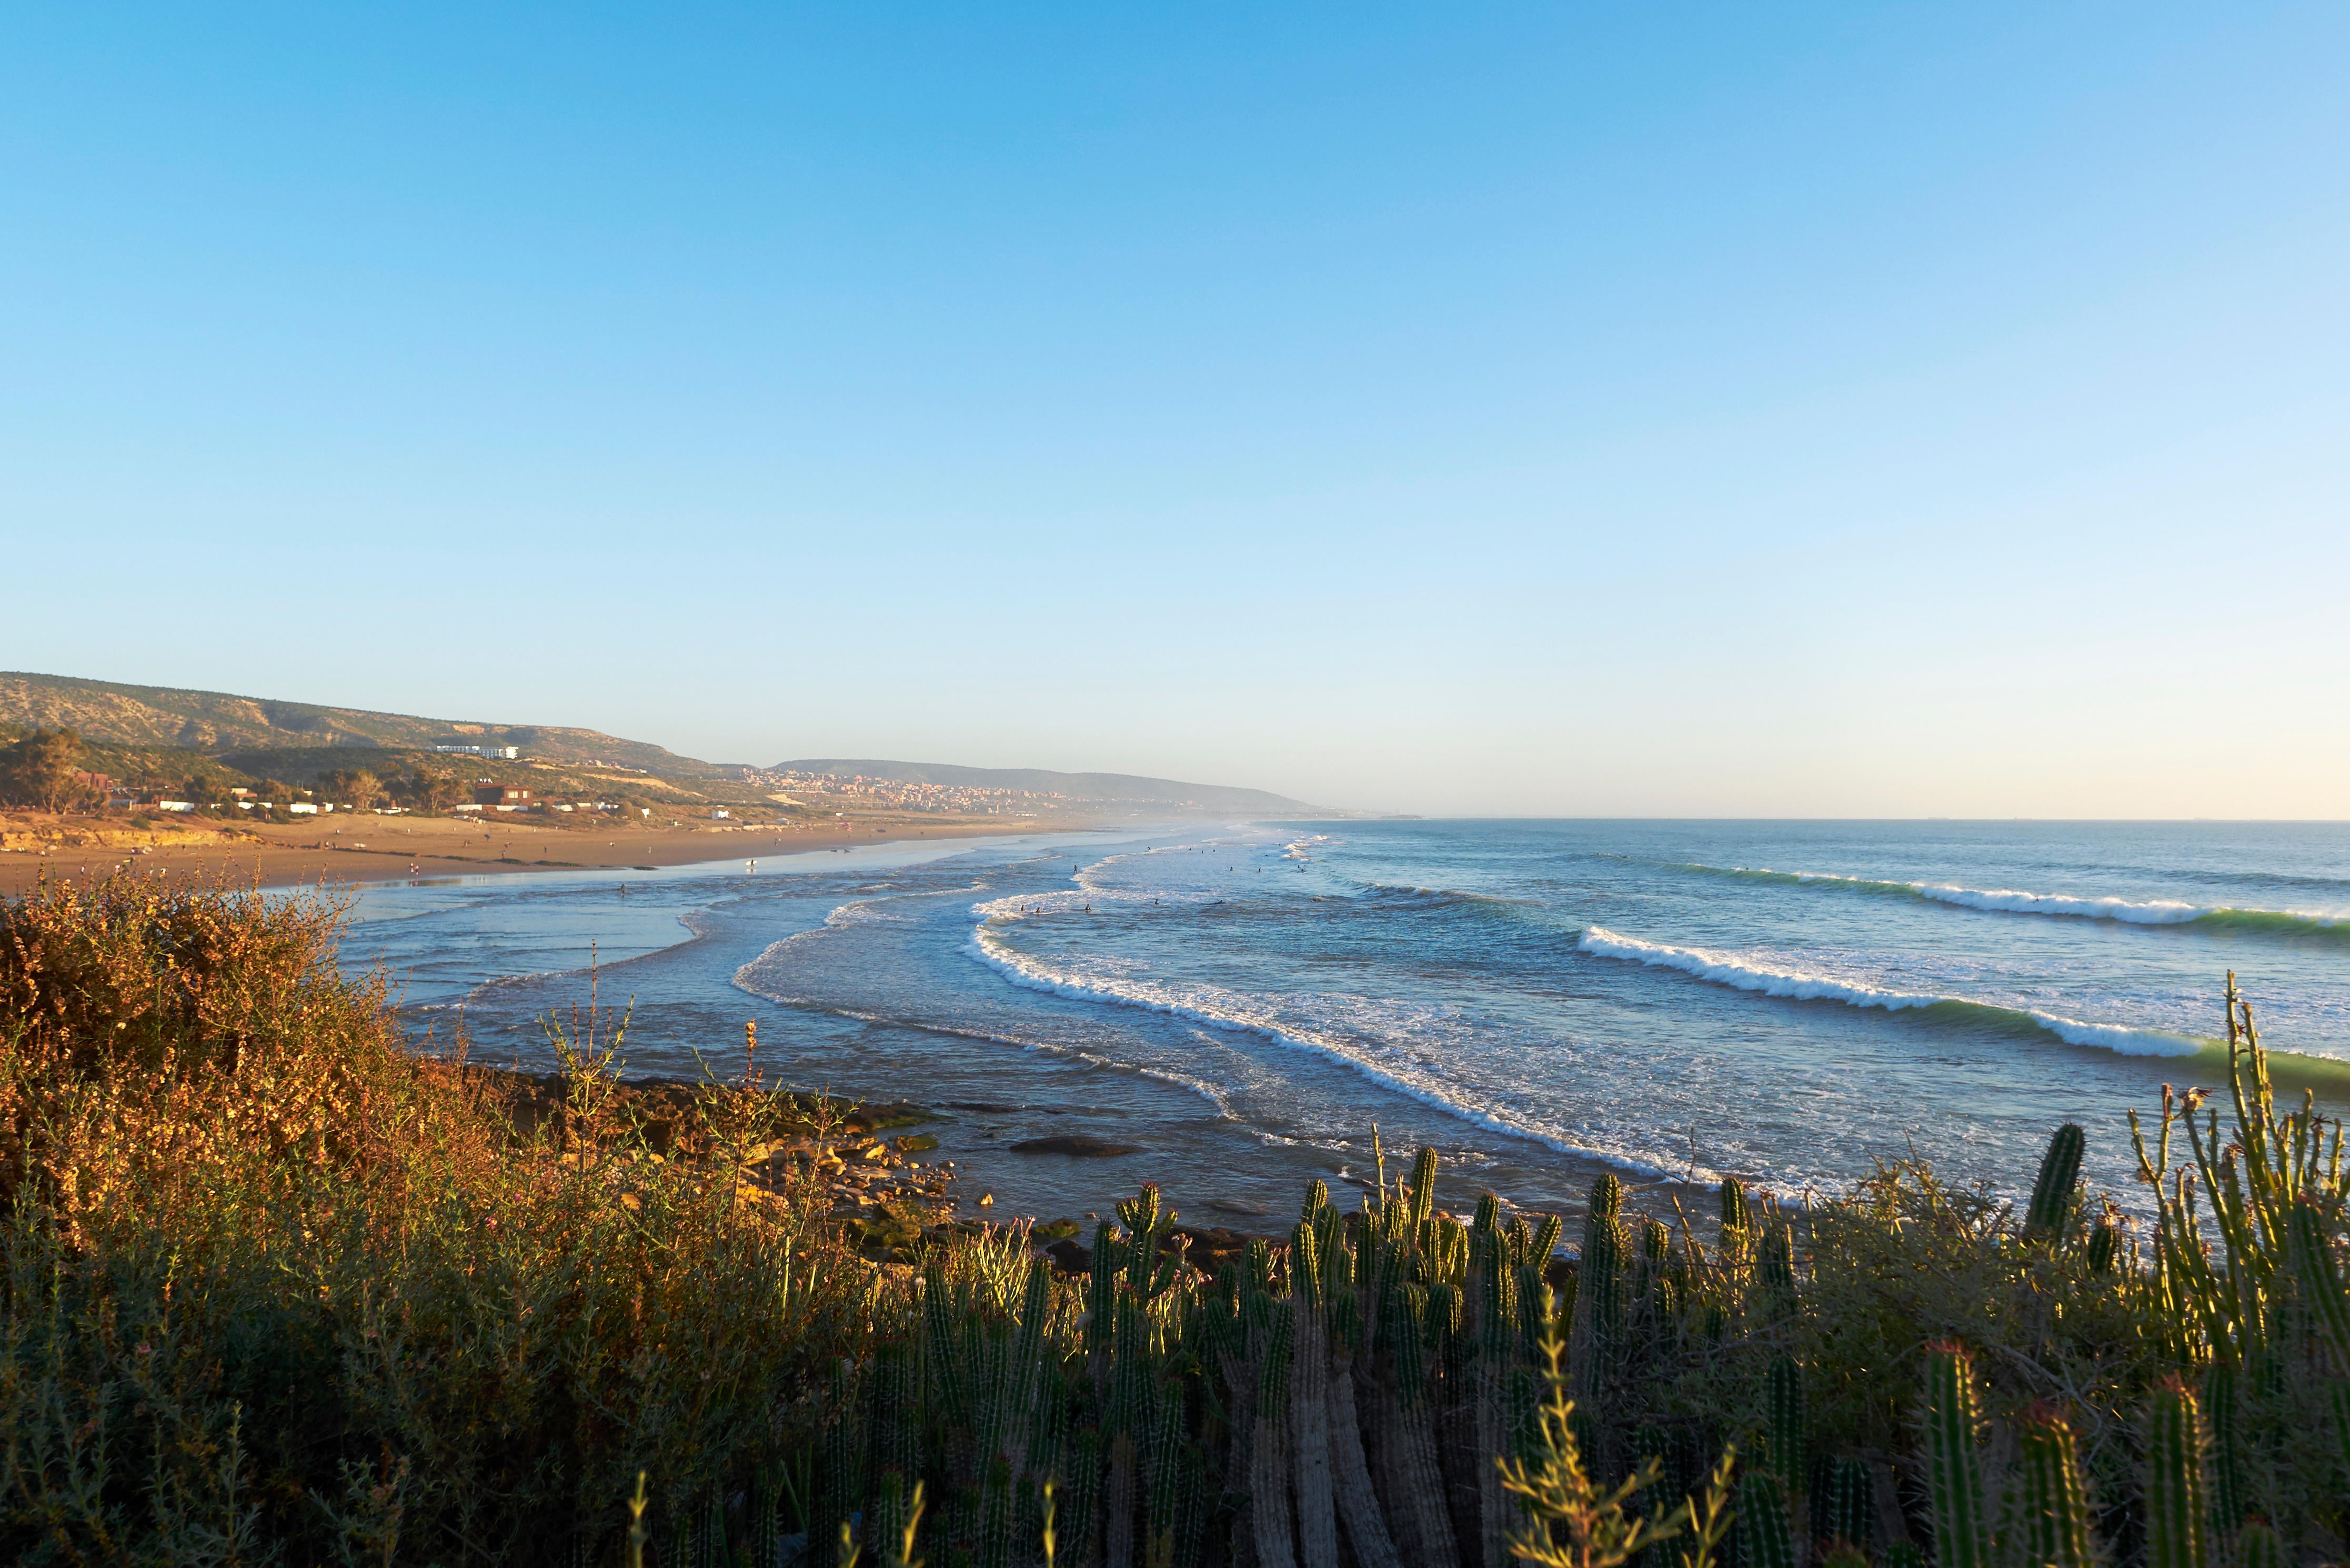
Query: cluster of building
[
  {"x": 492, "y": 797},
  {"x": 961, "y": 800},
  {"x": 507, "y": 753}
]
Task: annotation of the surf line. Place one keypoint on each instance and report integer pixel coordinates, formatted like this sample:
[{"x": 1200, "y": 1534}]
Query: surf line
[
  {"x": 1721, "y": 969},
  {"x": 1030, "y": 975},
  {"x": 2014, "y": 901}
]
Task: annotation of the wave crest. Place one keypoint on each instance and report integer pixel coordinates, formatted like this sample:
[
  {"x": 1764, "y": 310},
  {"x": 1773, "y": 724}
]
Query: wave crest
[
  {"x": 2066, "y": 905},
  {"x": 1741, "y": 974}
]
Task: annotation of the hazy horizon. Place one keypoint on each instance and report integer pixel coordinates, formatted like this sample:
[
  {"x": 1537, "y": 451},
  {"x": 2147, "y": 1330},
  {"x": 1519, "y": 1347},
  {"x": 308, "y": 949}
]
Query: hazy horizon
[{"x": 1683, "y": 413}]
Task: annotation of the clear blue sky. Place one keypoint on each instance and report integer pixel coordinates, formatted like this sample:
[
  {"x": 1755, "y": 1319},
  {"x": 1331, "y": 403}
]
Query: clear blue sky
[{"x": 1560, "y": 408}]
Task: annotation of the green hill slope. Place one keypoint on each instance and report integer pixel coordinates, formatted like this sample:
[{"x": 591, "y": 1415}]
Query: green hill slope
[{"x": 218, "y": 724}]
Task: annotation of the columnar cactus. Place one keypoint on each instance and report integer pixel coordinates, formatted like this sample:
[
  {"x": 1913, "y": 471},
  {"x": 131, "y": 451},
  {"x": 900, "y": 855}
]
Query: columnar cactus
[
  {"x": 1423, "y": 1187},
  {"x": 1848, "y": 1511},
  {"x": 2060, "y": 1173},
  {"x": 1954, "y": 1474},
  {"x": 2105, "y": 1247},
  {"x": 2175, "y": 1506},
  {"x": 1737, "y": 1214},
  {"x": 2230, "y": 1476},
  {"x": 1765, "y": 1536},
  {"x": 1787, "y": 1425},
  {"x": 2053, "y": 1502}
]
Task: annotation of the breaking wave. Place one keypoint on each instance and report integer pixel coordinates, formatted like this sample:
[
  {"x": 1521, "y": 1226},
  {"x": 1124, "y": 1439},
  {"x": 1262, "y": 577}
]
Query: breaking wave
[
  {"x": 2011, "y": 901},
  {"x": 1216, "y": 1008},
  {"x": 1742, "y": 975}
]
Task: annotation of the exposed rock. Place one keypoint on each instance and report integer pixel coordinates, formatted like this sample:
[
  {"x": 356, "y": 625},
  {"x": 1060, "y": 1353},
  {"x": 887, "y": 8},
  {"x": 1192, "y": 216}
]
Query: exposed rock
[{"x": 1078, "y": 1144}]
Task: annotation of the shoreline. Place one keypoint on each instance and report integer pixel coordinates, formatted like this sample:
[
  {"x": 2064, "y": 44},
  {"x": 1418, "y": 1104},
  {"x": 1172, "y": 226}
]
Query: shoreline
[{"x": 353, "y": 850}]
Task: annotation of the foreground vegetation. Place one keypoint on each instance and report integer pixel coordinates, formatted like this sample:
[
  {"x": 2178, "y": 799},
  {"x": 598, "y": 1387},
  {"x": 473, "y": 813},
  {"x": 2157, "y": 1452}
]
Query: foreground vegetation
[{"x": 279, "y": 1288}]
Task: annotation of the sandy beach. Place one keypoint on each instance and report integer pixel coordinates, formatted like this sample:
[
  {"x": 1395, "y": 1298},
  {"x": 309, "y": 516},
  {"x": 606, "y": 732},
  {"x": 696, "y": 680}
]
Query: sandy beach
[{"x": 369, "y": 848}]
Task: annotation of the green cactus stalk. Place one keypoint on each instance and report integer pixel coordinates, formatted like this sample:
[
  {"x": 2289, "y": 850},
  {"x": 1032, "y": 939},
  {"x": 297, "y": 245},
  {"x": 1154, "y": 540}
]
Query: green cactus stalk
[
  {"x": 2060, "y": 1173},
  {"x": 1600, "y": 1290},
  {"x": 1192, "y": 1508},
  {"x": 2105, "y": 1247},
  {"x": 2258, "y": 1547},
  {"x": 1606, "y": 1197},
  {"x": 2230, "y": 1476},
  {"x": 2313, "y": 1267},
  {"x": 1962, "y": 1536},
  {"x": 1849, "y": 1513},
  {"x": 2175, "y": 1505},
  {"x": 1765, "y": 1536},
  {"x": 1776, "y": 1265},
  {"x": 1902, "y": 1555},
  {"x": 1358, "y": 1502},
  {"x": 1118, "y": 1503},
  {"x": 1408, "y": 1461},
  {"x": 995, "y": 1515},
  {"x": 1423, "y": 1187},
  {"x": 1737, "y": 1214},
  {"x": 1788, "y": 1425},
  {"x": 2052, "y": 1501},
  {"x": 1164, "y": 1472},
  {"x": 1309, "y": 1418},
  {"x": 1272, "y": 1525},
  {"x": 1078, "y": 1527},
  {"x": 2337, "y": 1398}
]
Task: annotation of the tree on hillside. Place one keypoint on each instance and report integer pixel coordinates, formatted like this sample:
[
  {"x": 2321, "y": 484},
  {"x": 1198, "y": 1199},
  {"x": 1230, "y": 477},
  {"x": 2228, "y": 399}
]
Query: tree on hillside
[
  {"x": 430, "y": 791},
  {"x": 354, "y": 787},
  {"x": 38, "y": 770}
]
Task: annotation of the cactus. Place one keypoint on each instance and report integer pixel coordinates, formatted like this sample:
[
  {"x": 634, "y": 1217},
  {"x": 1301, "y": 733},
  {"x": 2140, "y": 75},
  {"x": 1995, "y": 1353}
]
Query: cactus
[
  {"x": 2337, "y": 1399},
  {"x": 1078, "y": 1528},
  {"x": 2257, "y": 1547},
  {"x": 2054, "y": 1503},
  {"x": 1902, "y": 1555},
  {"x": 1606, "y": 1197},
  {"x": 2175, "y": 1516},
  {"x": 1423, "y": 1187},
  {"x": 2313, "y": 1267},
  {"x": 997, "y": 1513},
  {"x": 1737, "y": 1214},
  {"x": 1358, "y": 1503},
  {"x": 1777, "y": 1267},
  {"x": 1269, "y": 1453},
  {"x": 2230, "y": 1476},
  {"x": 1848, "y": 1509},
  {"x": 1788, "y": 1424},
  {"x": 2060, "y": 1173},
  {"x": 2105, "y": 1247},
  {"x": 1309, "y": 1418},
  {"x": 1962, "y": 1537},
  {"x": 1766, "y": 1537}
]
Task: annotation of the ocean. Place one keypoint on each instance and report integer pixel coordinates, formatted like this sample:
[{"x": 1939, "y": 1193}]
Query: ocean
[{"x": 1240, "y": 1005}]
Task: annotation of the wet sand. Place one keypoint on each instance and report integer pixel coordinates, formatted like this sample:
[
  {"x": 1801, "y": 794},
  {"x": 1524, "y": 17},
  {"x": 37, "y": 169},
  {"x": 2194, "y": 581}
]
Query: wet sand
[{"x": 333, "y": 851}]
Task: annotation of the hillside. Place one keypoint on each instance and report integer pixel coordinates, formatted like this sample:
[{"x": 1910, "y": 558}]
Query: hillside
[
  {"x": 1123, "y": 787},
  {"x": 219, "y": 723},
  {"x": 162, "y": 732}
]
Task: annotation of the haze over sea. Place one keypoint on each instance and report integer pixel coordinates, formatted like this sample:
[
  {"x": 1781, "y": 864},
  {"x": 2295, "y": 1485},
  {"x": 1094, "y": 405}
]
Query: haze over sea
[{"x": 1788, "y": 1002}]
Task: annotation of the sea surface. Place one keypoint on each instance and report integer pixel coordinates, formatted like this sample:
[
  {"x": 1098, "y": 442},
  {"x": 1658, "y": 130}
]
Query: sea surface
[{"x": 1244, "y": 1004}]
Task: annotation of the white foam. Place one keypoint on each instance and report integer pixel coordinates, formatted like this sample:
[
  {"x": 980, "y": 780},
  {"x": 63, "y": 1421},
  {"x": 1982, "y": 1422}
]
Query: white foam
[
  {"x": 1216, "y": 1008},
  {"x": 1744, "y": 974},
  {"x": 2014, "y": 901}
]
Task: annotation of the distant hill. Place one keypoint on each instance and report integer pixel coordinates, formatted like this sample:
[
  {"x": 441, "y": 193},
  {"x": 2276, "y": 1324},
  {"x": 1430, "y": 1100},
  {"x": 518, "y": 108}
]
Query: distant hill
[
  {"x": 218, "y": 724},
  {"x": 1126, "y": 787}
]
